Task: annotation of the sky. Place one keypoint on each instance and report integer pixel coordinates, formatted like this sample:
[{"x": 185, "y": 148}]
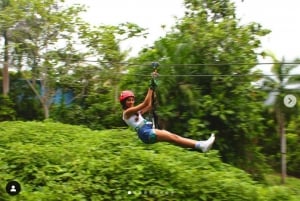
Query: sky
[{"x": 280, "y": 16}]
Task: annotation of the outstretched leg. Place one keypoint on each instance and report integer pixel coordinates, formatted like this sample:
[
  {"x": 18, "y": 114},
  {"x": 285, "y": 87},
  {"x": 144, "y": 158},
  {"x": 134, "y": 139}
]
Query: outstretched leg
[{"x": 166, "y": 136}]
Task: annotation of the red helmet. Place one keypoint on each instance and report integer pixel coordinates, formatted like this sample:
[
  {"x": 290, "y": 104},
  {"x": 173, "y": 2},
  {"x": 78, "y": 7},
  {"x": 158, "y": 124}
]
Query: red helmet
[{"x": 126, "y": 94}]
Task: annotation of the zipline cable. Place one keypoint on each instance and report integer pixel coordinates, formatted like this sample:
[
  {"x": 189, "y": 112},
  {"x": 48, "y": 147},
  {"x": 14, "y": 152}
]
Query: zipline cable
[
  {"x": 196, "y": 64},
  {"x": 208, "y": 75}
]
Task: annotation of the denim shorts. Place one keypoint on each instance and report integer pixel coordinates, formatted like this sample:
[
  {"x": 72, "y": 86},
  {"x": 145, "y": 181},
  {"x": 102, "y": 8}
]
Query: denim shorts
[{"x": 147, "y": 134}]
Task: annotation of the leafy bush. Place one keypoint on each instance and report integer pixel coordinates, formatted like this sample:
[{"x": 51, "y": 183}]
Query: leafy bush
[
  {"x": 293, "y": 155},
  {"x": 97, "y": 111},
  {"x": 6, "y": 109},
  {"x": 53, "y": 161}
]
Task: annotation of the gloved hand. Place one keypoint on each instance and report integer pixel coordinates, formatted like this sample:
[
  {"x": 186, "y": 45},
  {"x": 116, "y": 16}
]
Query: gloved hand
[{"x": 153, "y": 84}]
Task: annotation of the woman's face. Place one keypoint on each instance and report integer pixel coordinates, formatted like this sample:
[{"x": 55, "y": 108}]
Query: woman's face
[{"x": 130, "y": 102}]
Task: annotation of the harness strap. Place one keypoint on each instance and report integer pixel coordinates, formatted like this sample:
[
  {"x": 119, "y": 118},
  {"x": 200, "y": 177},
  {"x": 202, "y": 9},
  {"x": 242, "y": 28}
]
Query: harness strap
[
  {"x": 140, "y": 125},
  {"x": 154, "y": 115}
]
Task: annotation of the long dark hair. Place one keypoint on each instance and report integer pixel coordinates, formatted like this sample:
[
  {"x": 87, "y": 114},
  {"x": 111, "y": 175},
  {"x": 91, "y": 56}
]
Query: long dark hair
[{"x": 123, "y": 103}]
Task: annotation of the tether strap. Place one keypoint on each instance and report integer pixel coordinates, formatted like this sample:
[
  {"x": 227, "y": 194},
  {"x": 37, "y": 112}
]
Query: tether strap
[
  {"x": 154, "y": 115},
  {"x": 154, "y": 102}
]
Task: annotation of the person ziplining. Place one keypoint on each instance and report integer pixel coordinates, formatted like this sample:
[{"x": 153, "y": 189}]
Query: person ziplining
[{"x": 147, "y": 132}]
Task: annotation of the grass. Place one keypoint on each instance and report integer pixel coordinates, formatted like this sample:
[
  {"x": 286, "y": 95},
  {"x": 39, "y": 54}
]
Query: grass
[{"x": 291, "y": 183}]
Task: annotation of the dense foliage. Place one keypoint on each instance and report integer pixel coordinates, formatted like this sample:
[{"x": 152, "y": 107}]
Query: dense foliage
[
  {"x": 206, "y": 67},
  {"x": 205, "y": 84},
  {"x": 53, "y": 161},
  {"x": 7, "y": 111}
]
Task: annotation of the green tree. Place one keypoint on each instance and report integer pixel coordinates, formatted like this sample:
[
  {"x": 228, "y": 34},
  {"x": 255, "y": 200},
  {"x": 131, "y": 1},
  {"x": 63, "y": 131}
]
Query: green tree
[
  {"x": 103, "y": 43},
  {"x": 278, "y": 86},
  {"x": 46, "y": 25},
  {"x": 205, "y": 83},
  {"x": 293, "y": 140},
  {"x": 11, "y": 11},
  {"x": 103, "y": 66}
]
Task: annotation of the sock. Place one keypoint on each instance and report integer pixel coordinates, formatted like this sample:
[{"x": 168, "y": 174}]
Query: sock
[
  {"x": 205, "y": 145},
  {"x": 198, "y": 145}
]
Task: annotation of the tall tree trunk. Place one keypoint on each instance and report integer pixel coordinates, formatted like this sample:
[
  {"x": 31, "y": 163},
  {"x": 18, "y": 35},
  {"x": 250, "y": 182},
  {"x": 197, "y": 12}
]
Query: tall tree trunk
[
  {"x": 42, "y": 99},
  {"x": 5, "y": 66},
  {"x": 46, "y": 110},
  {"x": 281, "y": 122}
]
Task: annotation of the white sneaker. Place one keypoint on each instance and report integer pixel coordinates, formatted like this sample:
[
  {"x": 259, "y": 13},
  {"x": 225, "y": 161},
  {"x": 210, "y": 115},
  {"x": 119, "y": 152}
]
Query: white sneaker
[{"x": 207, "y": 144}]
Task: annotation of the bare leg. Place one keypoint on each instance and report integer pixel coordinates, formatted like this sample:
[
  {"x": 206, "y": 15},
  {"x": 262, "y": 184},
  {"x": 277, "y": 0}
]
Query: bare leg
[{"x": 166, "y": 136}]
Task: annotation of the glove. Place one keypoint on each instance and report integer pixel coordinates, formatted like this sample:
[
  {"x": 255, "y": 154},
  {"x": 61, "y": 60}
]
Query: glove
[{"x": 153, "y": 84}]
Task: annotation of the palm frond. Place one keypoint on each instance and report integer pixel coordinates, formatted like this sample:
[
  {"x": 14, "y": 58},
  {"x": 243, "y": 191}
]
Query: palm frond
[{"x": 294, "y": 79}]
